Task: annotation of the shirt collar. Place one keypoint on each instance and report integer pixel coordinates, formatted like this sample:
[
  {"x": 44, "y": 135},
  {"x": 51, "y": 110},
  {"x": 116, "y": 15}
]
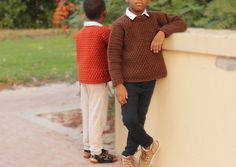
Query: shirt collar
[
  {"x": 132, "y": 16},
  {"x": 92, "y": 23}
]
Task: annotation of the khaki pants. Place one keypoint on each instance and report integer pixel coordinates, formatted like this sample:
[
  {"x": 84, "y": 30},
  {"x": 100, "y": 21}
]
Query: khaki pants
[{"x": 94, "y": 102}]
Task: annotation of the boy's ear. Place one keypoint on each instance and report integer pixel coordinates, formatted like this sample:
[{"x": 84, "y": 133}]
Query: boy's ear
[{"x": 103, "y": 15}]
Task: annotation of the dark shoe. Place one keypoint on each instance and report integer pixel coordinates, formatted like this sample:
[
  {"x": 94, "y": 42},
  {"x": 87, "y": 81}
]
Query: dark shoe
[
  {"x": 86, "y": 154},
  {"x": 104, "y": 157}
]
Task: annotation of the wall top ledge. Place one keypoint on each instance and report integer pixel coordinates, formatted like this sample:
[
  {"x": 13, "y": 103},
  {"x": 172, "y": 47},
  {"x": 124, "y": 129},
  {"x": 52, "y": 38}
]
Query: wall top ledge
[{"x": 203, "y": 41}]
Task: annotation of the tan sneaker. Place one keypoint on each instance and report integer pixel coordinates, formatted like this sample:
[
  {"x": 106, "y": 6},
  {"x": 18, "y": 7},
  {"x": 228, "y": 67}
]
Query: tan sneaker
[
  {"x": 147, "y": 155},
  {"x": 128, "y": 161}
]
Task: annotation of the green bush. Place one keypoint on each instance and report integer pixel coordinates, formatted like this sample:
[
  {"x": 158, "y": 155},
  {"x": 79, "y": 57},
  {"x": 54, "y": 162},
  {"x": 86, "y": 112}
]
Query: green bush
[
  {"x": 115, "y": 9},
  {"x": 215, "y": 14},
  {"x": 219, "y": 15},
  {"x": 10, "y": 12},
  {"x": 26, "y": 13},
  {"x": 38, "y": 14}
]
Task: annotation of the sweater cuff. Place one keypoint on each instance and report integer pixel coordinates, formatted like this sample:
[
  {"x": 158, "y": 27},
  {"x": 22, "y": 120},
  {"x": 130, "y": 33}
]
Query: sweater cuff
[
  {"x": 166, "y": 32},
  {"x": 117, "y": 82}
]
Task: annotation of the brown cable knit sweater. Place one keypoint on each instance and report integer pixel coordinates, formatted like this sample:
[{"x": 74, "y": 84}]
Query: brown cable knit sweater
[{"x": 130, "y": 58}]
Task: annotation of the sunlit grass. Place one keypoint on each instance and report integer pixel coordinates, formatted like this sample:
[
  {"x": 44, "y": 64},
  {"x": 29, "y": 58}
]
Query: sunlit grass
[{"x": 28, "y": 59}]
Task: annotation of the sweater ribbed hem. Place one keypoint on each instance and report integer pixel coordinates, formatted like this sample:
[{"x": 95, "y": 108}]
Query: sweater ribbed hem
[
  {"x": 146, "y": 79},
  {"x": 94, "y": 82}
]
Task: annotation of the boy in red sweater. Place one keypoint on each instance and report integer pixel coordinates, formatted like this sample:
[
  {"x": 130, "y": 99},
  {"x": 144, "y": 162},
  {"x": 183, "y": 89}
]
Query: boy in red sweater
[
  {"x": 135, "y": 63},
  {"x": 91, "y": 47}
]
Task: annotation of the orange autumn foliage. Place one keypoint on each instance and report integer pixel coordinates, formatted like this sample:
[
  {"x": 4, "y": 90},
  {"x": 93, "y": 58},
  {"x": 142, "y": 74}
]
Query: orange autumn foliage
[{"x": 62, "y": 13}]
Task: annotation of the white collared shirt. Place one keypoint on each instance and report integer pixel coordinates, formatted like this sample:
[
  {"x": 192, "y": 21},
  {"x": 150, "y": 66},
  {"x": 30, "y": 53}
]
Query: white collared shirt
[
  {"x": 92, "y": 23},
  {"x": 132, "y": 16}
]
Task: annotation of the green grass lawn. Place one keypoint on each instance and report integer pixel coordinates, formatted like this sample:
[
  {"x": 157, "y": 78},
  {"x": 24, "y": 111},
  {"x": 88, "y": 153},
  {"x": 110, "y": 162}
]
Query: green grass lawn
[{"x": 28, "y": 60}]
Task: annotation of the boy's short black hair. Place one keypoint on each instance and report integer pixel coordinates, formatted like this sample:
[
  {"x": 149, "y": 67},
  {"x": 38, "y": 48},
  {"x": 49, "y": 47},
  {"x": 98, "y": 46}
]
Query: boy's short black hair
[{"x": 94, "y": 8}]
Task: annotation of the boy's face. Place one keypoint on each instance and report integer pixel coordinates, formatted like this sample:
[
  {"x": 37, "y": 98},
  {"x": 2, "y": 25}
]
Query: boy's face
[{"x": 138, "y": 6}]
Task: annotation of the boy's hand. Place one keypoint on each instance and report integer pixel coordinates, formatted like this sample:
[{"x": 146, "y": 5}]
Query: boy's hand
[
  {"x": 121, "y": 94},
  {"x": 157, "y": 42}
]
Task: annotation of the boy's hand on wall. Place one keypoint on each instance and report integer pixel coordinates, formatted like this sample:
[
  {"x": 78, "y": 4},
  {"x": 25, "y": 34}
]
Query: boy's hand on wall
[
  {"x": 157, "y": 42},
  {"x": 121, "y": 94}
]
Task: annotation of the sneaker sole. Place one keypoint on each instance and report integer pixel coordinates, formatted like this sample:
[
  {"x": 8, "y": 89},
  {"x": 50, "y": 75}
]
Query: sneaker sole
[
  {"x": 86, "y": 157},
  {"x": 94, "y": 161},
  {"x": 155, "y": 154}
]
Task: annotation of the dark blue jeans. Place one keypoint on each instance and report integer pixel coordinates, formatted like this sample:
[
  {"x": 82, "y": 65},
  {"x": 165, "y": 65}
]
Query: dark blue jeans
[{"x": 134, "y": 115}]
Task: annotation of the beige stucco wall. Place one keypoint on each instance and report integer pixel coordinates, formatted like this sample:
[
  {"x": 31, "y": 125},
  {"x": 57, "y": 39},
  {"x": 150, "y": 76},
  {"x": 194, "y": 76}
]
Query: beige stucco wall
[{"x": 193, "y": 110}]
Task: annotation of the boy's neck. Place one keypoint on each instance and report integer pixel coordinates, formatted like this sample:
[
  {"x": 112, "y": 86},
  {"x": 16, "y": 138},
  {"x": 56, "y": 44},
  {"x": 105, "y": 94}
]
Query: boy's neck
[
  {"x": 97, "y": 20},
  {"x": 101, "y": 18},
  {"x": 138, "y": 13}
]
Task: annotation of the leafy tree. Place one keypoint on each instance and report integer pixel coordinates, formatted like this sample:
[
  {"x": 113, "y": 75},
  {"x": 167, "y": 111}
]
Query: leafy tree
[
  {"x": 26, "y": 13},
  {"x": 215, "y": 14},
  {"x": 115, "y": 9},
  {"x": 10, "y": 12},
  {"x": 37, "y": 14},
  {"x": 62, "y": 14},
  {"x": 188, "y": 10},
  {"x": 219, "y": 15}
]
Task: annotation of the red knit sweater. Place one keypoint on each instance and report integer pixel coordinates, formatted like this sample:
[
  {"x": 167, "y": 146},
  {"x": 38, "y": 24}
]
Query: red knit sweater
[{"x": 91, "y": 49}]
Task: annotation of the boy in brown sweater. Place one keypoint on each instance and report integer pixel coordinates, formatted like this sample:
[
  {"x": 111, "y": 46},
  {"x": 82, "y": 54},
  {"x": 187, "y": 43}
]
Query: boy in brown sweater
[{"x": 135, "y": 63}]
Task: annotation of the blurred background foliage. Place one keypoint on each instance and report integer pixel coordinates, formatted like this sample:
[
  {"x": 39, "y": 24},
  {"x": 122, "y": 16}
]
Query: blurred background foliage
[
  {"x": 214, "y": 14},
  {"x": 26, "y": 13}
]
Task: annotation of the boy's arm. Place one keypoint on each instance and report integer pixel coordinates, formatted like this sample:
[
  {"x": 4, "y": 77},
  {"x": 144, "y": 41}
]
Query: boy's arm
[
  {"x": 121, "y": 94},
  {"x": 115, "y": 47},
  {"x": 157, "y": 42},
  {"x": 169, "y": 25},
  {"x": 105, "y": 34}
]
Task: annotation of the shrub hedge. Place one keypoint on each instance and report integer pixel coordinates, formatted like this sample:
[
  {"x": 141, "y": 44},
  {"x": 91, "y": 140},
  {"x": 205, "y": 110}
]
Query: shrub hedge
[{"x": 216, "y": 14}]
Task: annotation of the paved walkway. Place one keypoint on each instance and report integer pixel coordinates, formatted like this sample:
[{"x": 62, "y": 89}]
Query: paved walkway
[{"x": 29, "y": 141}]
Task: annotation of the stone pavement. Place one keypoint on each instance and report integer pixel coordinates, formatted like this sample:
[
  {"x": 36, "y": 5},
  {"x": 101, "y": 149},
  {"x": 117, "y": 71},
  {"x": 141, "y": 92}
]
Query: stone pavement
[{"x": 27, "y": 140}]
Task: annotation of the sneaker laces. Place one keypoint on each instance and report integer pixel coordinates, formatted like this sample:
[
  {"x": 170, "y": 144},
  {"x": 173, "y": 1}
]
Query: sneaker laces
[{"x": 145, "y": 156}]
